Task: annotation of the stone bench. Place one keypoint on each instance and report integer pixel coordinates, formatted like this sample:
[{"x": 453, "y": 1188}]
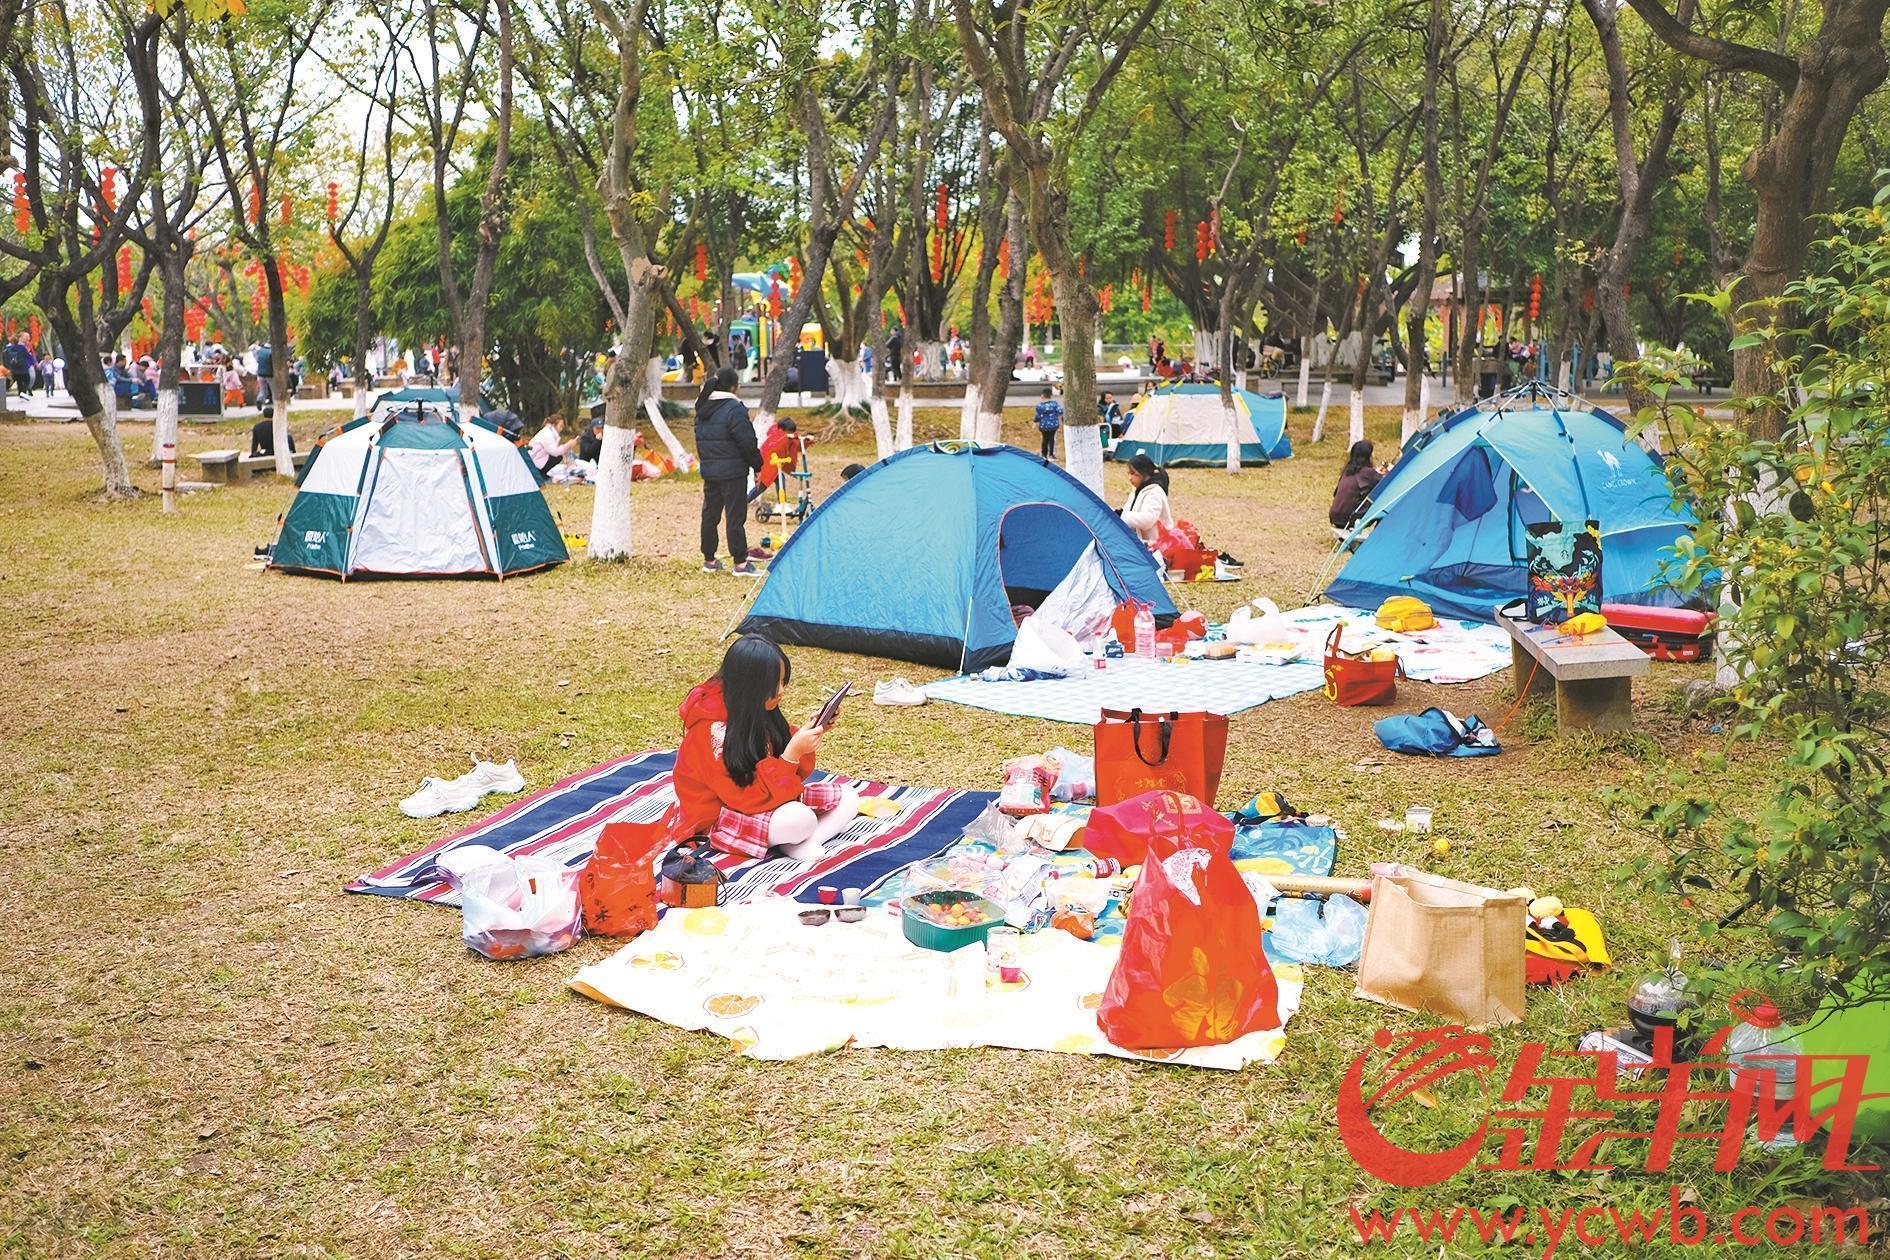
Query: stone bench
[
  {"x": 1591, "y": 675},
  {"x": 220, "y": 466},
  {"x": 250, "y": 466}
]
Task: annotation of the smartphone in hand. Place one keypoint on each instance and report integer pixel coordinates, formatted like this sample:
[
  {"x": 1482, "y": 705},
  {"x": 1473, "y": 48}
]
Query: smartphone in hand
[{"x": 830, "y": 711}]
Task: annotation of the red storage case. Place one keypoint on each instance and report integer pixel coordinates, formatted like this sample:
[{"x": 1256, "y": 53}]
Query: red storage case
[{"x": 1666, "y": 634}]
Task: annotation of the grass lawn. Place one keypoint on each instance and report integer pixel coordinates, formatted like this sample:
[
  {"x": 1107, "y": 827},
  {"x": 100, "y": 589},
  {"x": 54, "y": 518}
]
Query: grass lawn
[{"x": 210, "y": 1050}]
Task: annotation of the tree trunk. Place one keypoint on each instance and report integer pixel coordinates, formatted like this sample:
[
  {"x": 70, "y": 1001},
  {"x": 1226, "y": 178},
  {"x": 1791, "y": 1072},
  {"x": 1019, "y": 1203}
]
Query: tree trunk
[
  {"x": 1305, "y": 368},
  {"x": 170, "y": 350},
  {"x": 363, "y": 333},
  {"x": 1082, "y": 447},
  {"x": 994, "y": 383},
  {"x": 280, "y": 363},
  {"x": 82, "y": 382},
  {"x": 623, "y": 395},
  {"x": 1417, "y": 336},
  {"x": 653, "y": 411}
]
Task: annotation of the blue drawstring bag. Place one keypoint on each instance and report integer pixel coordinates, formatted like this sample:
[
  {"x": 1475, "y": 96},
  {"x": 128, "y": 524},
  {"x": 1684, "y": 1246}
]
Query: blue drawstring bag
[{"x": 1436, "y": 733}]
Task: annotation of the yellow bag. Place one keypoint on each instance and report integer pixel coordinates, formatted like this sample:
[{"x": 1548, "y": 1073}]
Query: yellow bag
[{"x": 1401, "y": 614}]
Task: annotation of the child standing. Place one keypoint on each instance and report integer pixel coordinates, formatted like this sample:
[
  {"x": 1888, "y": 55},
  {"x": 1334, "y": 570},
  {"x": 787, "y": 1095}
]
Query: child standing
[
  {"x": 1049, "y": 420},
  {"x": 741, "y": 775},
  {"x": 232, "y": 386}
]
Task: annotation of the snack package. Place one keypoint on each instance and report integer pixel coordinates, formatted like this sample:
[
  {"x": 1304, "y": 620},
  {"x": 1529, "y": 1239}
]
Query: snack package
[{"x": 1027, "y": 783}]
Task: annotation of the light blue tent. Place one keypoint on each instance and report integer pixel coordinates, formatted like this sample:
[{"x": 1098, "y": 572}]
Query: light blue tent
[
  {"x": 1449, "y": 523},
  {"x": 1184, "y": 424},
  {"x": 921, "y": 557}
]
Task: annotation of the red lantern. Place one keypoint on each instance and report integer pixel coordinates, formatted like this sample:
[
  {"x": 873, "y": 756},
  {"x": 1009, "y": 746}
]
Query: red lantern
[
  {"x": 108, "y": 188},
  {"x": 795, "y": 273},
  {"x": 22, "y": 208},
  {"x": 255, "y": 204},
  {"x": 1004, "y": 259},
  {"x": 1300, "y": 236},
  {"x": 702, "y": 261},
  {"x": 1168, "y": 231},
  {"x": 124, "y": 269},
  {"x": 938, "y": 215},
  {"x": 334, "y": 203},
  {"x": 1148, "y": 297},
  {"x": 1535, "y": 297},
  {"x": 1108, "y": 297},
  {"x": 1338, "y": 206},
  {"x": 285, "y": 210},
  {"x": 1201, "y": 241},
  {"x": 32, "y": 328},
  {"x": 146, "y": 305},
  {"x": 774, "y": 300},
  {"x": 256, "y": 303}
]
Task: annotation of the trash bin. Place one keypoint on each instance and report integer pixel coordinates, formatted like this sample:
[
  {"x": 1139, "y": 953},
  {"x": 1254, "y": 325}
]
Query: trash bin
[{"x": 813, "y": 371}]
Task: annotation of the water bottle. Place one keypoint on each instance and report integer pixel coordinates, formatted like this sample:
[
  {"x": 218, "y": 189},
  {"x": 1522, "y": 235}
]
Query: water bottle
[
  {"x": 1145, "y": 632},
  {"x": 1763, "y": 1051}
]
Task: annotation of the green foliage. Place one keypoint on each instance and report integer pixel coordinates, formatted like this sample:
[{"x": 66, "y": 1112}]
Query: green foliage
[{"x": 1799, "y": 525}]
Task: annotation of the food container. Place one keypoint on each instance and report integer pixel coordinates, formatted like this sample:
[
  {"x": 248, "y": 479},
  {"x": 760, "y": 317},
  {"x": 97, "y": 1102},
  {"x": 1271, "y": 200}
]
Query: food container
[
  {"x": 928, "y": 933},
  {"x": 1417, "y": 818}
]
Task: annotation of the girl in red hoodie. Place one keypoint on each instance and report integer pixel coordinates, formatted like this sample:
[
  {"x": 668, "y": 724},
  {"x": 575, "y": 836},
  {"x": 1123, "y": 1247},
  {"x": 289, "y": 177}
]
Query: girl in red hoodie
[{"x": 741, "y": 776}]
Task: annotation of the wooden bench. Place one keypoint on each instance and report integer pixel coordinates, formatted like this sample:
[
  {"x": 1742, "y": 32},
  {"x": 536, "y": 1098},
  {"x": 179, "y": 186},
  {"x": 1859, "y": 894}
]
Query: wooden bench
[
  {"x": 1591, "y": 675},
  {"x": 220, "y": 466},
  {"x": 250, "y": 466}
]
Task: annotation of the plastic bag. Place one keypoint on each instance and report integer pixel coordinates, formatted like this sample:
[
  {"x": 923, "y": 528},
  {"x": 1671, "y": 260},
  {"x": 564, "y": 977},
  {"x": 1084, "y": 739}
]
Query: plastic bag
[
  {"x": 1191, "y": 971},
  {"x": 992, "y": 826},
  {"x": 1046, "y": 647},
  {"x": 1269, "y": 628},
  {"x": 1026, "y": 788},
  {"x": 1332, "y": 938},
  {"x": 1125, "y": 831},
  {"x": 1082, "y": 602},
  {"x": 617, "y": 887},
  {"x": 1076, "y": 775},
  {"x": 513, "y": 908}
]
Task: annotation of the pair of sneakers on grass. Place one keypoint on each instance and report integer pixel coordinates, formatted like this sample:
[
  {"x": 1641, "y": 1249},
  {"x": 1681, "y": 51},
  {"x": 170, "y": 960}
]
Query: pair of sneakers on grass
[{"x": 454, "y": 796}]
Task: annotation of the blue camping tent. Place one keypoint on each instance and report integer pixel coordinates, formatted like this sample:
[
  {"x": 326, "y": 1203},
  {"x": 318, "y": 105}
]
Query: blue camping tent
[
  {"x": 1449, "y": 523},
  {"x": 921, "y": 556},
  {"x": 1184, "y": 424}
]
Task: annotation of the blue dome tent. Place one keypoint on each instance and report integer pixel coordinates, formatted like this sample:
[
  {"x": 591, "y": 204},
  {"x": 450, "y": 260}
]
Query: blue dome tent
[
  {"x": 1449, "y": 523},
  {"x": 1184, "y": 424},
  {"x": 921, "y": 556}
]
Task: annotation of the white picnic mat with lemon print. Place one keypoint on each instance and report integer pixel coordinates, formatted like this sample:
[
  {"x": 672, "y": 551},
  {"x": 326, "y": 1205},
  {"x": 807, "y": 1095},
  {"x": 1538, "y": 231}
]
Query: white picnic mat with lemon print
[{"x": 779, "y": 989}]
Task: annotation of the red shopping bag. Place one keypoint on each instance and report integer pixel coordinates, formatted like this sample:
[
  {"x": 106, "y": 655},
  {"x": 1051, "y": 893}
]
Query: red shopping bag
[
  {"x": 1123, "y": 832},
  {"x": 1140, "y": 752},
  {"x": 1354, "y": 678},
  {"x": 1191, "y": 971},
  {"x": 617, "y": 888}
]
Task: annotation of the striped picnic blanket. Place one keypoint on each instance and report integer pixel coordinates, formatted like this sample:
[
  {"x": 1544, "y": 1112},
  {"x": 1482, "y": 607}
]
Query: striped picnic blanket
[{"x": 563, "y": 821}]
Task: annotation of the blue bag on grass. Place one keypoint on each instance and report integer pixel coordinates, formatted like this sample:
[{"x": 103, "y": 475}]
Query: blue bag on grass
[{"x": 1436, "y": 733}]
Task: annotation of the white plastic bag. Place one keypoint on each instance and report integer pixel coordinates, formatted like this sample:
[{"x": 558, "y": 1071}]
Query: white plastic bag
[
  {"x": 1076, "y": 775},
  {"x": 1046, "y": 648},
  {"x": 513, "y": 907},
  {"x": 1269, "y": 627},
  {"x": 1082, "y": 603}
]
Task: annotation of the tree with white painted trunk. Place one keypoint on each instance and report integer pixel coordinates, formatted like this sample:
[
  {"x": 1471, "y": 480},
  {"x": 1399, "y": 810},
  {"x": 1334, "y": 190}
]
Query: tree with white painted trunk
[
  {"x": 828, "y": 88},
  {"x": 252, "y": 89},
  {"x": 1020, "y": 52}
]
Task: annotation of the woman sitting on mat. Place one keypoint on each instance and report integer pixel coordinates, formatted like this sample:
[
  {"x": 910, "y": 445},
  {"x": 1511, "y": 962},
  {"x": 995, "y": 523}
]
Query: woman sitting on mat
[
  {"x": 1147, "y": 511},
  {"x": 741, "y": 776},
  {"x": 1356, "y": 484}
]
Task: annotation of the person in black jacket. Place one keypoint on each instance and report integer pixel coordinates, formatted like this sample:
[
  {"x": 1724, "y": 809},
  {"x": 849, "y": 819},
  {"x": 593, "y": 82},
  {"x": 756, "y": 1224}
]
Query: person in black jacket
[{"x": 727, "y": 453}]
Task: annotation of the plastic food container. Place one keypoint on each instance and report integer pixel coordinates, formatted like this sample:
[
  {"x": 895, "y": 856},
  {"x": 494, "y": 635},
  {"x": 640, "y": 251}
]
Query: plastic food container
[{"x": 928, "y": 933}]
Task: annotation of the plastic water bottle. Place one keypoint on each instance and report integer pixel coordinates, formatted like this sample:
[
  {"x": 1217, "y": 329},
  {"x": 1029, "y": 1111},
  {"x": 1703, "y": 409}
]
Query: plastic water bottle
[
  {"x": 1763, "y": 1051},
  {"x": 1145, "y": 632}
]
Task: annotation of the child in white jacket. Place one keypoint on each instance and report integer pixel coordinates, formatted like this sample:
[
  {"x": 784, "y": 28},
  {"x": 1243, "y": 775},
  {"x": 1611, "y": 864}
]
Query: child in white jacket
[{"x": 1147, "y": 511}]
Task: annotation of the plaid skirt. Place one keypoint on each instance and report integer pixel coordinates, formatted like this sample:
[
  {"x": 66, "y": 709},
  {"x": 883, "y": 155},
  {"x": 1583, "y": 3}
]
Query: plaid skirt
[{"x": 747, "y": 834}]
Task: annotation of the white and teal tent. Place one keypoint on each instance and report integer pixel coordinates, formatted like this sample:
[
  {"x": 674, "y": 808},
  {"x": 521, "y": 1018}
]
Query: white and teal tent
[
  {"x": 417, "y": 492},
  {"x": 1184, "y": 424}
]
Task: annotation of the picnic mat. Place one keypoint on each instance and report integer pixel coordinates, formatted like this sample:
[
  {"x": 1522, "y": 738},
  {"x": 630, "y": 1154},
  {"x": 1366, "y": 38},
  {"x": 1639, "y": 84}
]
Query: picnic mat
[
  {"x": 1450, "y": 652},
  {"x": 562, "y": 822},
  {"x": 778, "y": 989}
]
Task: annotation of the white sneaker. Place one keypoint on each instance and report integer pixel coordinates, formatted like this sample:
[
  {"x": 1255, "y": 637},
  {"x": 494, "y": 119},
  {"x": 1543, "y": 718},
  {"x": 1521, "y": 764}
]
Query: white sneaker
[
  {"x": 487, "y": 777},
  {"x": 439, "y": 796},
  {"x": 897, "y": 691}
]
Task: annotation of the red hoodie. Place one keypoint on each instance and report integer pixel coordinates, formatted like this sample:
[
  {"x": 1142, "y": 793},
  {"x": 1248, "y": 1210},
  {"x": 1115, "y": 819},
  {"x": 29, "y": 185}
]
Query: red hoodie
[{"x": 703, "y": 785}]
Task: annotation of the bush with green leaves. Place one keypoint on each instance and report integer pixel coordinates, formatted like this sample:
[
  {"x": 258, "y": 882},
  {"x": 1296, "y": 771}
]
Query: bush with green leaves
[{"x": 1793, "y": 883}]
